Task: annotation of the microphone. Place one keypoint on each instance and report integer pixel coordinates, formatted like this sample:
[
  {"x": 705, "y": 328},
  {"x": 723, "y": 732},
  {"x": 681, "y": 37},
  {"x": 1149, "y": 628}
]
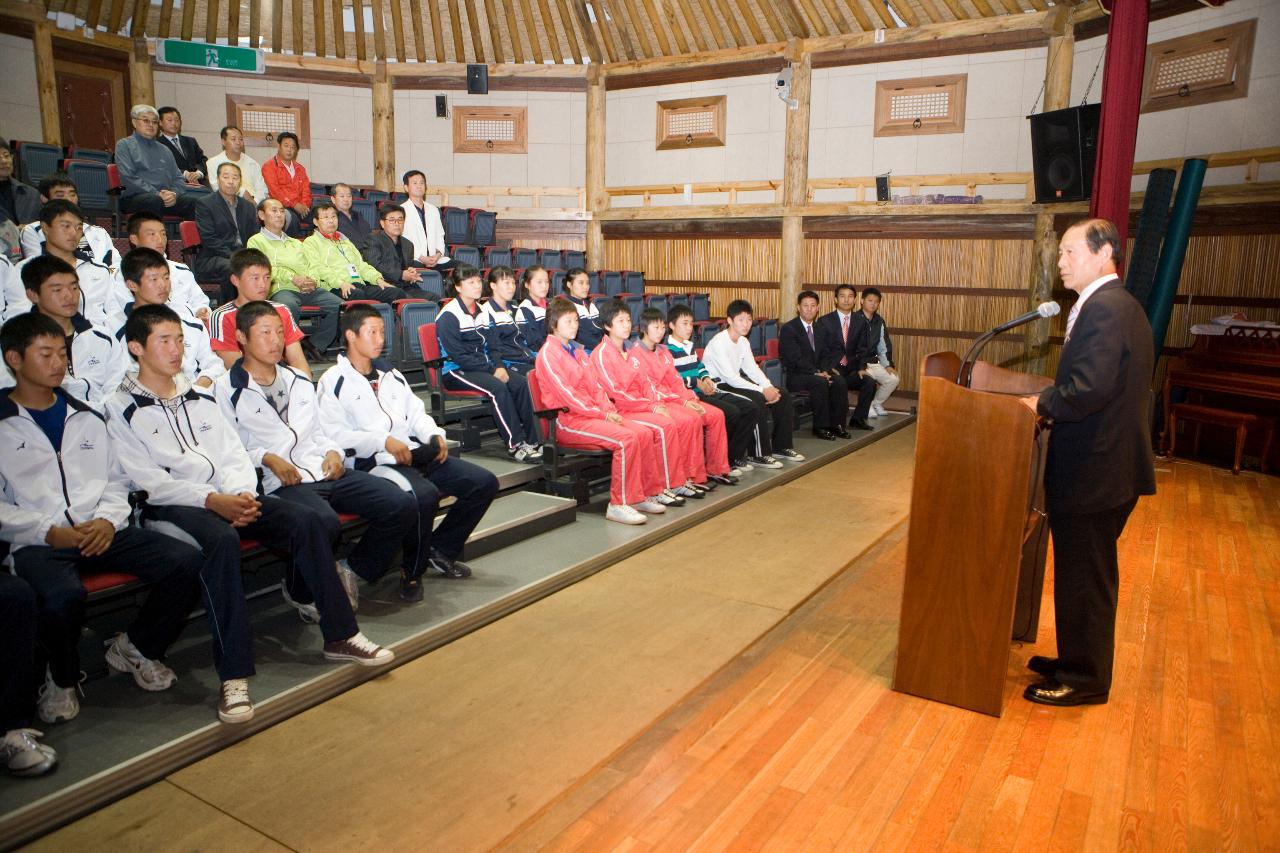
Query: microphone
[{"x": 1044, "y": 311}]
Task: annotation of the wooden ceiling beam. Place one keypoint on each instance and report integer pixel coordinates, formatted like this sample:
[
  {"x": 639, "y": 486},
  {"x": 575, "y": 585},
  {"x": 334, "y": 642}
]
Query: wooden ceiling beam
[
  {"x": 839, "y": 18},
  {"x": 552, "y": 31},
  {"x": 116, "y": 16},
  {"x": 752, "y": 22},
  {"x": 397, "y": 29},
  {"x": 904, "y": 10},
  {"x": 860, "y": 15},
  {"x": 379, "y": 31},
  {"x": 726, "y": 10},
  {"x": 931, "y": 9},
  {"x": 796, "y": 24},
  {"x": 641, "y": 34},
  {"x": 589, "y": 38},
  {"x": 233, "y": 22},
  {"x": 776, "y": 25},
  {"x": 671, "y": 18},
  {"x": 437, "y": 30},
  {"x": 455, "y": 29},
  {"x": 886, "y": 20},
  {"x": 571, "y": 31},
  {"x": 318, "y": 28},
  {"x": 255, "y": 24},
  {"x": 531, "y": 29},
  {"x": 473, "y": 27},
  {"x": 691, "y": 24},
  {"x": 339, "y": 26},
  {"x": 277, "y": 25},
  {"x": 659, "y": 31},
  {"x": 495, "y": 31},
  {"x": 713, "y": 25},
  {"x": 817, "y": 23},
  {"x": 513, "y": 31},
  {"x": 606, "y": 31},
  {"x": 419, "y": 35},
  {"x": 138, "y": 24},
  {"x": 957, "y": 10},
  {"x": 984, "y": 8},
  {"x": 299, "y": 40},
  {"x": 94, "y": 15}
]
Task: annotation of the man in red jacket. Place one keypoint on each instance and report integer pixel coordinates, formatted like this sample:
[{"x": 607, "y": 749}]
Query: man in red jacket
[{"x": 287, "y": 181}]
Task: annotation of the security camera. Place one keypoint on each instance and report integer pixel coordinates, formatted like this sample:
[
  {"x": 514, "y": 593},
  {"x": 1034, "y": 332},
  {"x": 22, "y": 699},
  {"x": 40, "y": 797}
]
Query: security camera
[{"x": 782, "y": 85}]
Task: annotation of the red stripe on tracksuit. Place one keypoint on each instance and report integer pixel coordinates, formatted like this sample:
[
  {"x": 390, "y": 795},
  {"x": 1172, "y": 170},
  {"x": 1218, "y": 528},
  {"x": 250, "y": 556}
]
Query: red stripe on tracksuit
[
  {"x": 567, "y": 380},
  {"x": 661, "y": 370}
]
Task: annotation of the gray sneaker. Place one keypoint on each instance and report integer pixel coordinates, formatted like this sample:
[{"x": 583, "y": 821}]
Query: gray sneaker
[
  {"x": 22, "y": 756},
  {"x": 56, "y": 704},
  {"x": 152, "y": 675}
]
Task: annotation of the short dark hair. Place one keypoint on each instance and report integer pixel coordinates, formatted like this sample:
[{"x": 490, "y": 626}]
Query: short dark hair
[
  {"x": 1102, "y": 232},
  {"x": 849, "y": 287},
  {"x": 288, "y": 134},
  {"x": 251, "y": 312},
  {"x": 144, "y": 318},
  {"x": 409, "y": 174},
  {"x": 462, "y": 273},
  {"x": 529, "y": 273},
  {"x": 498, "y": 273},
  {"x": 324, "y": 205},
  {"x": 569, "y": 275},
  {"x": 222, "y": 134},
  {"x": 385, "y": 210},
  {"x": 52, "y": 181},
  {"x": 39, "y": 269},
  {"x": 333, "y": 189},
  {"x": 224, "y": 164},
  {"x": 21, "y": 331},
  {"x": 353, "y": 318},
  {"x": 807, "y": 294},
  {"x": 872, "y": 291},
  {"x": 651, "y": 315},
  {"x": 242, "y": 259},
  {"x": 137, "y": 261},
  {"x": 738, "y": 306},
  {"x": 610, "y": 311},
  {"x": 557, "y": 309},
  {"x": 136, "y": 221},
  {"x": 54, "y": 208},
  {"x": 164, "y": 111},
  {"x": 678, "y": 311}
]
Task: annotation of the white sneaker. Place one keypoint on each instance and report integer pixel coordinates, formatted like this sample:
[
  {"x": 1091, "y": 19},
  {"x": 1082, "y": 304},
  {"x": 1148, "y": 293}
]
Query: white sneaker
[
  {"x": 234, "y": 705},
  {"x": 56, "y": 704},
  {"x": 668, "y": 499},
  {"x": 624, "y": 514},
  {"x": 528, "y": 454},
  {"x": 880, "y": 411},
  {"x": 651, "y": 507},
  {"x": 306, "y": 612},
  {"x": 152, "y": 675},
  {"x": 687, "y": 491},
  {"x": 358, "y": 649},
  {"x": 350, "y": 583},
  {"x": 23, "y": 756},
  {"x": 739, "y": 472},
  {"x": 872, "y": 413}
]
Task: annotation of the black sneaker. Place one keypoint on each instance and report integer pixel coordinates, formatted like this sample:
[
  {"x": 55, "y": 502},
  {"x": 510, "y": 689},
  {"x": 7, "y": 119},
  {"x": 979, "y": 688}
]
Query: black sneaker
[
  {"x": 723, "y": 479},
  {"x": 449, "y": 567},
  {"x": 789, "y": 455},
  {"x": 410, "y": 588}
]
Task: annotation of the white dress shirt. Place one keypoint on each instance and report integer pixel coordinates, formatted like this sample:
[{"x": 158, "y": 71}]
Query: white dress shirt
[{"x": 1084, "y": 295}]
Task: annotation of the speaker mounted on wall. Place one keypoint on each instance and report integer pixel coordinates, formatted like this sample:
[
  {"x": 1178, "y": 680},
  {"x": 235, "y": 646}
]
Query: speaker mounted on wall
[
  {"x": 477, "y": 79},
  {"x": 1064, "y": 146},
  {"x": 882, "y": 187}
]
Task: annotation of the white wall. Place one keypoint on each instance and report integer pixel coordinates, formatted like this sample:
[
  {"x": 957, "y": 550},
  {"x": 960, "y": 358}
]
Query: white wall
[{"x": 19, "y": 96}]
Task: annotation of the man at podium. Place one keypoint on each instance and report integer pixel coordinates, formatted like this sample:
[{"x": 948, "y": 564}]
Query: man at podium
[{"x": 1099, "y": 460}]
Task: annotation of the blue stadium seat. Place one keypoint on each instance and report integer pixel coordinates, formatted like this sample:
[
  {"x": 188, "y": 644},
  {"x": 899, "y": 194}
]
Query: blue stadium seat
[
  {"x": 701, "y": 305},
  {"x": 35, "y": 160},
  {"x": 495, "y": 257},
  {"x": 366, "y": 209},
  {"x": 552, "y": 259},
  {"x": 632, "y": 282},
  {"x": 465, "y": 255},
  {"x": 523, "y": 257},
  {"x": 94, "y": 154},
  {"x": 574, "y": 258}
]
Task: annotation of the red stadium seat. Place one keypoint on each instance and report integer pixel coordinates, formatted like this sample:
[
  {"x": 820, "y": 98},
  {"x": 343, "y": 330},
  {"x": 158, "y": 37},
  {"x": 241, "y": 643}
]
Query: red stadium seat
[
  {"x": 571, "y": 472},
  {"x": 468, "y": 417}
]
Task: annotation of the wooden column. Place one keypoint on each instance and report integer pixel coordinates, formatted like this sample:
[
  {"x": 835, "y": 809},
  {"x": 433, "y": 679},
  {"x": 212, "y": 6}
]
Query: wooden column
[
  {"x": 46, "y": 83},
  {"x": 597, "y": 199},
  {"x": 142, "y": 84},
  {"x": 795, "y": 188},
  {"x": 384, "y": 131},
  {"x": 1044, "y": 252}
]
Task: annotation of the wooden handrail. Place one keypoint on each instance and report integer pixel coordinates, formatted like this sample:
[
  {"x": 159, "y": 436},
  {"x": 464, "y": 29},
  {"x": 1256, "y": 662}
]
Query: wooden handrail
[{"x": 492, "y": 194}]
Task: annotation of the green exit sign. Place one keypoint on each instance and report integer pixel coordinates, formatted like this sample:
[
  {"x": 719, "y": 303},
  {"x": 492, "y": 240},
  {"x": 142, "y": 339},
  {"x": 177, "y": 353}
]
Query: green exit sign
[{"x": 214, "y": 57}]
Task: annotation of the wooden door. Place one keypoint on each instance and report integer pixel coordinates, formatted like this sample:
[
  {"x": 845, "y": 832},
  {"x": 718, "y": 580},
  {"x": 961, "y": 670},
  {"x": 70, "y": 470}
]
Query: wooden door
[{"x": 90, "y": 105}]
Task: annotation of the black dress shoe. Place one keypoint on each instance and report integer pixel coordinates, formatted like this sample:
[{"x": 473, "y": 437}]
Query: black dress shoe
[
  {"x": 1061, "y": 695},
  {"x": 860, "y": 423},
  {"x": 841, "y": 432},
  {"x": 1043, "y": 665},
  {"x": 824, "y": 434}
]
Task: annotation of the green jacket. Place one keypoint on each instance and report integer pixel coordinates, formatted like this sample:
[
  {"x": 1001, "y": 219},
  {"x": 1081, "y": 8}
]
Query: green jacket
[
  {"x": 330, "y": 262},
  {"x": 287, "y": 260}
]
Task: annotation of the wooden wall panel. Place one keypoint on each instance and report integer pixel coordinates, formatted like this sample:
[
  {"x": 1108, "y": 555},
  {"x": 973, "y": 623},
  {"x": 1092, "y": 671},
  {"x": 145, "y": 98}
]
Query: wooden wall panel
[{"x": 940, "y": 263}]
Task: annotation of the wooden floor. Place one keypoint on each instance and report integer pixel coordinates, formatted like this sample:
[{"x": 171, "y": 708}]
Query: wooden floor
[{"x": 800, "y": 745}]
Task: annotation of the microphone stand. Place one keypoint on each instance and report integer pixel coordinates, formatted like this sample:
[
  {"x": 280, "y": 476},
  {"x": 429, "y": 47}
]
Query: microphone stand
[{"x": 965, "y": 376}]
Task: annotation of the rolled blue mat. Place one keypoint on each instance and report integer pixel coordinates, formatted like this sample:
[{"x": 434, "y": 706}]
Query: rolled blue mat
[{"x": 1169, "y": 269}]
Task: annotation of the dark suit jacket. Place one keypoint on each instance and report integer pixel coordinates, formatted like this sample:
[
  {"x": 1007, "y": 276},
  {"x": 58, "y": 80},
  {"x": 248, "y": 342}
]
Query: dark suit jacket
[
  {"x": 219, "y": 235},
  {"x": 796, "y": 354},
  {"x": 355, "y": 229},
  {"x": 1100, "y": 444},
  {"x": 829, "y": 324},
  {"x": 387, "y": 257},
  {"x": 191, "y": 159}
]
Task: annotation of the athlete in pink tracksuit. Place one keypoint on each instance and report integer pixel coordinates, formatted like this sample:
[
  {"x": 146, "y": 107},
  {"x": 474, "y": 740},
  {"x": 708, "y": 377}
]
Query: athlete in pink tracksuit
[{"x": 566, "y": 380}]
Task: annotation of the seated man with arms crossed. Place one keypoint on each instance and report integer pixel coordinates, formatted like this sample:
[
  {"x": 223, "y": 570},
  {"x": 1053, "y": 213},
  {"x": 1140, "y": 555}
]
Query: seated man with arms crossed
[
  {"x": 809, "y": 361},
  {"x": 368, "y": 408},
  {"x": 275, "y": 412},
  {"x": 64, "y": 508},
  {"x": 251, "y": 275}
]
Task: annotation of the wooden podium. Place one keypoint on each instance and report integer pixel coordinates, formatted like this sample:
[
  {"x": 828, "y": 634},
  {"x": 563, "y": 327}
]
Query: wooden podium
[{"x": 976, "y": 544}]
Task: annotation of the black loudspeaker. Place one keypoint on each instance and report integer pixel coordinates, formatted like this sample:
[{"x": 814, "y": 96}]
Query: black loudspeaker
[
  {"x": 1064, "y": 145},
  {"x": 477, "y": 79},
  {"x": 882, "y": 187},
  {"x": 442, "y": 106}
]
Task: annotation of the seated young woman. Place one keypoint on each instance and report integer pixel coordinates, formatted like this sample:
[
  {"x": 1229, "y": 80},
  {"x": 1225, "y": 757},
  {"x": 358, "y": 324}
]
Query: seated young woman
[
  {"x": 498, "y": 323},
  {"x": 590, "y": 421},
  {"x": 577, "y": 286},
  {"x": 531, "y": 318}
]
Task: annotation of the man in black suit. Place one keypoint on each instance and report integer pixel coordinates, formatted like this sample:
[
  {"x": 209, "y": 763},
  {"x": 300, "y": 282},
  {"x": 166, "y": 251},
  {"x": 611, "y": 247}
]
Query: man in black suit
[
  {"x": 391, "y": 254},
  {"x": 1099, "y": 460},
  {"x": 226, "y": 220},
  {"x": 808, "y": 359},
  {"x": 841, "y": 327},
  {"x": 185, "y": 150}
]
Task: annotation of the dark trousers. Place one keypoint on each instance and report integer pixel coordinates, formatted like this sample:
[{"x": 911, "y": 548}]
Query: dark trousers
[
  {"x": 828, "y": 397},
  {"x": 1086, "y": 583},
  {"x": 473, "y": 489},
  {"x": 215, "y": 269},
  {"x": 741, "y": 422},
  {"x": 391, "y": 514},
  {"x": 511, "y": 402},
  {"x": 184, "y": 206},
  {"x": 324, "y": 328},
  {"x": 377, "y": 294},
  {"x": 18, "y": 622},
  {"x": 776, "y": 420},
  {"x": 866, "y": 388},
  {"x": 170, "y": 566}
]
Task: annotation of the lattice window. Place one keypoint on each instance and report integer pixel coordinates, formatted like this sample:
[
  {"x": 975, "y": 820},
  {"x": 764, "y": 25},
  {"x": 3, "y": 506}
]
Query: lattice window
[
  {"x": 691, "y": 122},
  {"x": 921, "y": 105},
  {"x": 263, "y": 119},
  {"x": 1199, "y": 68},
  {"x": 490, "y": 130}
]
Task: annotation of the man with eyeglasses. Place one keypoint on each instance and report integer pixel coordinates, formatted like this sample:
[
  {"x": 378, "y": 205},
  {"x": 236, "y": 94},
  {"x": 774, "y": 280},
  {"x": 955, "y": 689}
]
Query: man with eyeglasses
[{"x": 151, "y": 177}]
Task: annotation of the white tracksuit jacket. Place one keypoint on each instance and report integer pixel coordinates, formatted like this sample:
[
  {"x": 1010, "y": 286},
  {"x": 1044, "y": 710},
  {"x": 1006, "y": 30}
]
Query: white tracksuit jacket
[{"x": 358, "y": 420}]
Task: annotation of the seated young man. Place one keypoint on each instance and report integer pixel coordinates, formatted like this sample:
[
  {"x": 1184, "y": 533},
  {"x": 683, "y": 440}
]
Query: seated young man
[
  {"x": 531, "y": 319},
  {"x": 64, "y": 509},
  {"x": 96, "y": 362},
  {"x": 368, "y": 409},
  {"x": 61, "y": 223},
  {"x": 146, "y": 230},
  {"x": 875, "y": 351},
  {"x": 502, "y": 332},
  {"x": 470, "y": 366},
  {"x": 337, "y": 265},
  {"x": 96, "y": 242},
  {"x": 20, "y": 752},
  {"x": 729, "y": 360},
  {"x": 628, "y": 386},
  {"x": 274, "y": 410},
  {"x": 577, "y": 287},
  {"x": 251, "y": 277},
  {"x": 742, "y": 420},
  {"x": 293, "y": 284},
  {"x": 657, "y": 363},
  {"x": 590, "y": 421},
  {"x": 807, "y": 359},
  {"x": 146, "y": 274}
]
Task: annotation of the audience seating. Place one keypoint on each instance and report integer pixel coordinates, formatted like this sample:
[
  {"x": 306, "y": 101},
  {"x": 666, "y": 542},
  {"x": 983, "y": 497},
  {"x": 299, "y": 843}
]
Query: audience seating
[
  {"x": 704, "y": 331},
  {"x": 700, "y": 304},
  {"x": 463, "y": 254},
  {"x": 376, "y": 196},
  {"x": 98, "y": 192},
  {"x": 674, "y": 299},
  {"x": 75, "y": 153},
  {"x": 482, "y": 226},
  {"x": 557, "y": 284},
  {"x": 319, "y": 189},
  {"x": 466, "y": 418},
  {"x": 552, "y": 259},
  {"x": 632, "y": 282},
  {"x": 612, "y": 284},
  {"x": 432, "y": 282},
  {"x": 388, "y": 315},
  {"x": 635, "y": 304},
  {"x": 495, "y": 257},
  {"x": 523, "y": 257},
  {"x": 569, "y": 472},
  {"x": 366, "y": 209},
  {"x": 414, "y": 313},
  {"x": 457, "y": 225},
  {"x": 34, "y": 160},
  {"x": 574, "y": 258},
  {"x": 658, "y": 301}
]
